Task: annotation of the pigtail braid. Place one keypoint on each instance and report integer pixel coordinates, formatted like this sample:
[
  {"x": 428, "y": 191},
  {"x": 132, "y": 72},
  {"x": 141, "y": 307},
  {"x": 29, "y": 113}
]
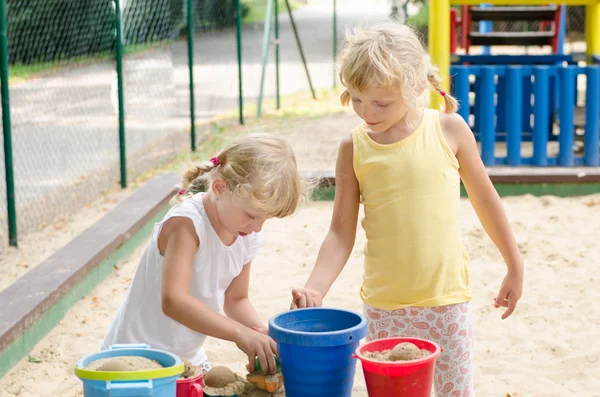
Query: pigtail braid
[{"x": 450, "y": 103}]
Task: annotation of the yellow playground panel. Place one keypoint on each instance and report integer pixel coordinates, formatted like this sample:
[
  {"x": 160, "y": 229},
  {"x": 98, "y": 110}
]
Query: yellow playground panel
[{"x": 439, "y": 30}]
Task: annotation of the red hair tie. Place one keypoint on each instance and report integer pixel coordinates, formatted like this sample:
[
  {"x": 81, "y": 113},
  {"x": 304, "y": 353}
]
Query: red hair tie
[
  {"x": 215, "y": 161},
  {"x": 181, "y": 192},
  {"x": 442, "y": 93}
]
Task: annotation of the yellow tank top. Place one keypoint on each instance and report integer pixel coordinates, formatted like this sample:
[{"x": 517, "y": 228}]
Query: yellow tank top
[{"x": 410, "y": 191}]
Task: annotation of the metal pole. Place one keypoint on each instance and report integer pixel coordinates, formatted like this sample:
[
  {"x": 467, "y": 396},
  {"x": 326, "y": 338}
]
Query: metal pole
[
  {"x": 488, "y": 129},
  {"x": 485, "y": 27},
  {"x": 287, "y": 3},
  {"x": 238, "y": 29},
  {"x": 122, "y": 149},
  {"x": 266, "y": 37},
  {"x": 566, "y": 136},
  {"x": 592, "y": 127},
  {"x": 278, "y": 100},
  {"x": 334, "y": 42},
  {"x": 541, "y": 105},
  {"x": 190, "y": 40},
  {"x": 8, "y": 165}
]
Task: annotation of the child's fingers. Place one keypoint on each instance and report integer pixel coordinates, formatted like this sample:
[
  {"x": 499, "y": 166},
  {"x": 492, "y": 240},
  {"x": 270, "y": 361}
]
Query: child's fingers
[
  {"x": 250, "y": 365},
  {"x": 273, "y": 345},
  {"x": 272, "y": 364},
  {"x": 501, "y": 299},
  {"x": 512, "y": 304},
  {"x": 302, "y": 300},
  {"x": 296, "y": 302},
  {"x": 264, "y": 363},
  {"x": 500, "y": 303},
  {"x": 310, "y": 302}
]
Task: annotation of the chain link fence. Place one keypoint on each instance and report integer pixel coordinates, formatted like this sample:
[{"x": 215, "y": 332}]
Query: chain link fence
[
  {"x": 215, "y": 57},
  {"x": 64, "y": 90},
  {"x": 149, "y": 30},
  {"x": 64, "y": 101},
  {"x": 61, "y": 113}
]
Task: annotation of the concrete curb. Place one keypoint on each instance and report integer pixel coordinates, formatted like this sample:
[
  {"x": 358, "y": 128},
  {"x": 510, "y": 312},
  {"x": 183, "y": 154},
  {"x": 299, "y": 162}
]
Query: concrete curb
[{"x": 36, "y": 302}]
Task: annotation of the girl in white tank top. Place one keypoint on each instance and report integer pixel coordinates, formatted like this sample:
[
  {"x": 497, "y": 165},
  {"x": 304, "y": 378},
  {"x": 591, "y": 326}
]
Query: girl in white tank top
[{"x": 197, "y": 264}]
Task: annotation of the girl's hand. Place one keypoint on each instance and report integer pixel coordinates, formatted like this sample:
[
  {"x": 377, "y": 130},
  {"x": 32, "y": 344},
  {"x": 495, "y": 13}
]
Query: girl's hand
[
  {"x": 256, "y": 344},
  {"x": 510, "y": 293},
  {"x": 302, "y": 297},
  {"x": 262, "y": 330}
]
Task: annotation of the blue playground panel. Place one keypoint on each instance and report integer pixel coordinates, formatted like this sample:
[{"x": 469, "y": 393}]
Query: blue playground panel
[{"x": 503, "y": 102}]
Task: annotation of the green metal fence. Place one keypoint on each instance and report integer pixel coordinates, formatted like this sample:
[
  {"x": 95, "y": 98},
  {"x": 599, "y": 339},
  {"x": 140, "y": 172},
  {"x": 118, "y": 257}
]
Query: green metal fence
[
  {"x": 90, "y": 95},
  {"x": 97, "y": 92}
]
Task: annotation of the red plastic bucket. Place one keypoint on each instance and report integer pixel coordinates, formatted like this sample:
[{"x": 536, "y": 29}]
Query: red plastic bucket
[
  {"x": 190, "y": 387},
  {"x": 399, "y": 378}
]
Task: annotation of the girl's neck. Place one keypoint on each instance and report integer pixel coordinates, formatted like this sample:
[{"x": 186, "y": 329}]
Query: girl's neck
[
  {"x": 408, "y": 123},
  {"x": 209, "y": 202}
]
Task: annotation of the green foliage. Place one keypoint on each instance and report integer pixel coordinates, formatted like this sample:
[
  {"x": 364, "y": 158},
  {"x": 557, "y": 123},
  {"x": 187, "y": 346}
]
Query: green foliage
[
  {"x": 218, "y": 13},
  {"x": 150, "y": 20},
  {"x": 43, "y": 31}
]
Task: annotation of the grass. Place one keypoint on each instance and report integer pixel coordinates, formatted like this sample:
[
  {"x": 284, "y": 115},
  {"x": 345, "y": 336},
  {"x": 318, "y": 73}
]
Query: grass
[
  {"x": 258, "y": 9},
  {"x": 421, "y": 18}
]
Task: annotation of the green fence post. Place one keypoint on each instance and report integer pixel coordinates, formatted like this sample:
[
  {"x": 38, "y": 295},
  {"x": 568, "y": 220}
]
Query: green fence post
[
  {"x": 238, "y": 29},
  {"x": 122, "y": 149},
  {"x": 8, "y": 165},
  {"x": 278, "y": 100},
  {"x": 190, "y": 38},
  {"x": 265, "y": 53}
]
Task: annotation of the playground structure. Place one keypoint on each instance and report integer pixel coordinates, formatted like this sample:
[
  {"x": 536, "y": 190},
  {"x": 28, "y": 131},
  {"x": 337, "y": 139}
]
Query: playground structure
[
  {"x": 551, "y": 32},
  {"x": 521, "y": 98}
]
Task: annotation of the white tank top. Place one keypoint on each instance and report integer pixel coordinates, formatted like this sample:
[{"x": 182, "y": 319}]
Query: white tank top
[{"x": 140, "y": 318}]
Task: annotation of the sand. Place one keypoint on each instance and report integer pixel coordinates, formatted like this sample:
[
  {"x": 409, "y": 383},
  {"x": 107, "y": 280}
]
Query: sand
[
  {"x": 124, "y": 363},
  {"x": 548, "y": 348},
  {"x": 405, "y": 351}
]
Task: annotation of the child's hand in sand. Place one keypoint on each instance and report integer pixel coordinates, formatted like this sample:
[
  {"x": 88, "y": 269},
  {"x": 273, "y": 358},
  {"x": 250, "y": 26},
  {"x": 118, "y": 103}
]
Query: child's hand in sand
[
  {"x": 302, "y": 297},
  {"x": 256, "y": 344},
  {"x": 510, "y": 293}
]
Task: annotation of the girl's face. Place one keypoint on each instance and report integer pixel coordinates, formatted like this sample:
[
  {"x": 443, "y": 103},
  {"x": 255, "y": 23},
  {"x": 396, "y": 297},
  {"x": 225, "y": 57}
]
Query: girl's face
[
  {"x": 380, "y": 108},
  {"x": 237, "y": 216}
]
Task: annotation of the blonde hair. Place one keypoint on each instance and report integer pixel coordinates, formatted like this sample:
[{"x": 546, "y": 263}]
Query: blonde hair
[
  {"x": 259, "y": 167},
  {"x": 389, "y": 55}
]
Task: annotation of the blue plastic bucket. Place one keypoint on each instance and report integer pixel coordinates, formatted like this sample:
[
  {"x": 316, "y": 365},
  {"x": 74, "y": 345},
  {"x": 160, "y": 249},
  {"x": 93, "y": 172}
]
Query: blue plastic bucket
[
  {"x": 315, "y": 350},
  {"x": 156, "y": 382}
]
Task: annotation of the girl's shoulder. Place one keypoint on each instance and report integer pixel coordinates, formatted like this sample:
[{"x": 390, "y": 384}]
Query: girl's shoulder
[
  {"x": 455, "y": 130},
  {"x": 188, "y": 210}
]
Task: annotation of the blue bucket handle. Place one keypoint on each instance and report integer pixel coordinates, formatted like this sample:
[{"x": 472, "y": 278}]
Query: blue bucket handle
[
  {"x": 129, "y": 346},
  {"x": 129, "y": 389}
]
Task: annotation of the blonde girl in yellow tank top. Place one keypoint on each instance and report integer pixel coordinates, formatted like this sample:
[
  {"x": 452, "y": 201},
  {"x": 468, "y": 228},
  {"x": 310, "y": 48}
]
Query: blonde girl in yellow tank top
[{"x": 404, "y": 164}]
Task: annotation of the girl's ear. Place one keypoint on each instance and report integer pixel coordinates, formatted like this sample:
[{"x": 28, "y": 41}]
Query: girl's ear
[{"x": 218, "y": 186}]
